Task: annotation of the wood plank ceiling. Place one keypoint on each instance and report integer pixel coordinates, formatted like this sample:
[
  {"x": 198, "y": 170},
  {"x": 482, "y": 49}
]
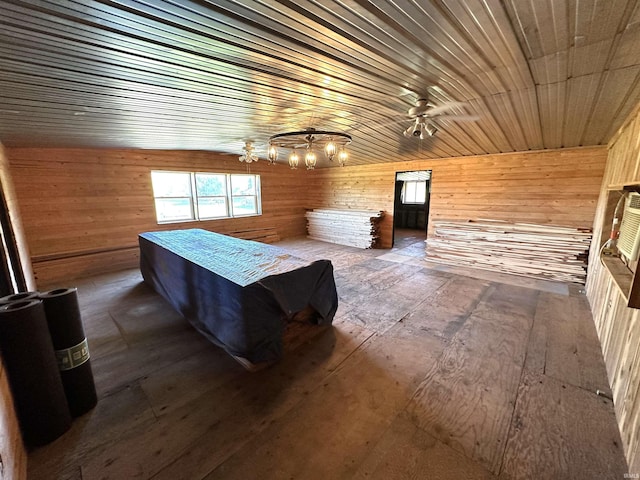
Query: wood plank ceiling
[{"x": 210, "y": 75}]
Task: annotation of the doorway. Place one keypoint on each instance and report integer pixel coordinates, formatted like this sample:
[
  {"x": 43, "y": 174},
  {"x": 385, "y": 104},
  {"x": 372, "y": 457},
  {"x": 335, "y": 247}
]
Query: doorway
[{"x": 411, "y": 207}]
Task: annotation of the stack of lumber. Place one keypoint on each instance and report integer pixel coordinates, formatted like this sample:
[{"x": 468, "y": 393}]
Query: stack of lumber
[
  {"x": 540, "y": 251},
  {"x": 355, "y": 228}
]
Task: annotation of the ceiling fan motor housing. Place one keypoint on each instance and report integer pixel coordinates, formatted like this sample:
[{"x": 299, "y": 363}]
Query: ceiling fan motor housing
[{"x": 420, "y": 108}]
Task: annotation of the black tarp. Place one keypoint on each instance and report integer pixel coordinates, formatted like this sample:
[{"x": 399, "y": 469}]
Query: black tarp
[{"x": 236, "y": 292}]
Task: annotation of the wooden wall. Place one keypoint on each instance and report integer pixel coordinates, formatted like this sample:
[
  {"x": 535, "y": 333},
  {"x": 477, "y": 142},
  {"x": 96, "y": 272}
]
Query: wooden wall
[
  {"x": 618, "y": 326},
  {"x": 13, "y": 457},
  {"x": 82, "y": 209},
  {"x": 558, "y": 187}
]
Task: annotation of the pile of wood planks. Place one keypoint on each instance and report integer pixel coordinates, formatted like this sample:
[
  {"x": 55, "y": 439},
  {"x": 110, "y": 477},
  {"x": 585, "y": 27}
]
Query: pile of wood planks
[
  {"x": 355, "y": 228},
  {"x": 540, "y": 251}
]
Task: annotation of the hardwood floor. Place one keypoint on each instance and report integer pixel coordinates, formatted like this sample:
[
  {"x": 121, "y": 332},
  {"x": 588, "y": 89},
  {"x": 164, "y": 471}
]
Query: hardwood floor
[{"x": 425, "y": 374}]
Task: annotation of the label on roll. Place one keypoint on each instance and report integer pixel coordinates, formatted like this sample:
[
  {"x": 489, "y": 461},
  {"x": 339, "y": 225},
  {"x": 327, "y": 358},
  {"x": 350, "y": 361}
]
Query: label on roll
[{"x": 73, "y": 357}]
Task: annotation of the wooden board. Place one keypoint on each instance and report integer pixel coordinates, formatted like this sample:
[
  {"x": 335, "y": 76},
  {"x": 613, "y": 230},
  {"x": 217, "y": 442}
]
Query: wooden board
[
  {"x": 356, "y": 228},
  {"x": 540, "y": 441},
  {"x": 12, "y": 451},
  {"x": 449, "y": 405},
  {"x": 408, "y": 452},
  {"x": 98, "y": 431},
  {"x": 540, "y": 251},
  {"x": 572, "y": 354},
  {"x": 436, "y": 315}
]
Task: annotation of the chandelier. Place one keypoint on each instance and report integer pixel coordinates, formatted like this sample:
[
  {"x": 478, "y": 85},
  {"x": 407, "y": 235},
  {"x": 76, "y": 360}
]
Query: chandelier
[
  {"x": 307, "y": 141},
  {"x": 248, "y": 155}
]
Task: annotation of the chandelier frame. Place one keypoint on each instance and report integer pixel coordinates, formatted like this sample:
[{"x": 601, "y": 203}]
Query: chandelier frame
[
  {"x": 306, "y": 140},
  {"x": 301, "y": 139}
]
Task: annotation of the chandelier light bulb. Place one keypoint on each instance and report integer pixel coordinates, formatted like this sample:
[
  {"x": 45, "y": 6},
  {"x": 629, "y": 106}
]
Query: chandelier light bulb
[
  {"x": 310, "y": 159},
  {"x": 330, "y": 149},
  {"x": 294, "y": 159},
  {"x": 273, "y": 154},
  {"x": 343, "y": 156}
]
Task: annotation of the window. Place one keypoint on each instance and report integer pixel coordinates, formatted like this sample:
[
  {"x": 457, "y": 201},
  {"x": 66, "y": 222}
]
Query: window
[
  {"x": 188, "y": 196},
  {"x": 173, "y": 194},
  {"x": 211, "y": 191},
  {"x": 243, "y": 195},
  {"x": 414, "y": 191}
]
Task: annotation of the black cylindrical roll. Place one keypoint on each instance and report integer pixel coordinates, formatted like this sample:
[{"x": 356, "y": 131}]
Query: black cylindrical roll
[
  {"x": 15, "y": 297},
  {"x": 33, "y": 373},
  {"x": 70, "y": 344}
]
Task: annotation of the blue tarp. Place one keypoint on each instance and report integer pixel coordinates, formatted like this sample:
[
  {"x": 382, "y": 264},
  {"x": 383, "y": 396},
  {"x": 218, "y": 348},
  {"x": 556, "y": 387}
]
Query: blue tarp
[{"x": 238, "y": 293}]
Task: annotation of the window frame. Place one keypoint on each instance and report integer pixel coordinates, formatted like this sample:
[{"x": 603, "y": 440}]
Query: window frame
[
  {"x": 193, "y": 199},
  {"x": 415, "y": 191}
]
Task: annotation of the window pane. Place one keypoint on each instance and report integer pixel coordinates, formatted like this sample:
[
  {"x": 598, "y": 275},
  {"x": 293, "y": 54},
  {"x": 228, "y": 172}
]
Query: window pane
[
  {"x": 211, "y": 207},
  {"x": 208, "y": 185},
  {"x": 414, "y": 191},
  {"x": 244, "y": 206},
  {"x": 243, "y": 185},
  {"x": 421, "y": 192},
  {"x": 410, "y": 196},
  {"x": 171, "y": 184},
  {"x": 172, "y": 209}
]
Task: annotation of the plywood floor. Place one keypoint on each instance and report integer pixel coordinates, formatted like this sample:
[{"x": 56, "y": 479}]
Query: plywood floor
[{"x": 426, "y": 374}]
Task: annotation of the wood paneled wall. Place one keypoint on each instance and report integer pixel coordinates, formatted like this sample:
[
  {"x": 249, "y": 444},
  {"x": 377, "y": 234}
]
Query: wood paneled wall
[
  {"x": 82, "y": 209},
  {"x": 618, "y": 326},
  {"x": 557, "y": 187},
  {"x": 13, "y": 457}
]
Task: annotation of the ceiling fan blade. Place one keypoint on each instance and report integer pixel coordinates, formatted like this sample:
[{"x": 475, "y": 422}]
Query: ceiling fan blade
[
  {"x": 459, "y": 118},
  {"x": 432, "y": 112}
]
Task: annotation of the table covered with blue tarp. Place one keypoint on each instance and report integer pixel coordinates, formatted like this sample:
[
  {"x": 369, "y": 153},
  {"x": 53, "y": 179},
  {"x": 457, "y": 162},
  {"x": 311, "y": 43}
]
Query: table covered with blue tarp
[{"x": 238, "y": 293}]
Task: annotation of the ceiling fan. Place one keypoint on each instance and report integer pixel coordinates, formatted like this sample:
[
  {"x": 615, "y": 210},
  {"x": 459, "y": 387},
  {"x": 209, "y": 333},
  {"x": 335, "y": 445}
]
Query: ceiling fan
[{"x": 423, "y": 111}]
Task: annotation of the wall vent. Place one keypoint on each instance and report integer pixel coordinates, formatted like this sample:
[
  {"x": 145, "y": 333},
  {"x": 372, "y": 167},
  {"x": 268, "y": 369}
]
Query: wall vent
[{"x": 629, "y": 240}]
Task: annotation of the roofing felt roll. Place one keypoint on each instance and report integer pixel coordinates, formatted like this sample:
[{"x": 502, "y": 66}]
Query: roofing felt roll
[
  {"x": 32, "y": 370},
  {"x": 71, "y": 348},
  {"x": 16, "y": 297}
]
